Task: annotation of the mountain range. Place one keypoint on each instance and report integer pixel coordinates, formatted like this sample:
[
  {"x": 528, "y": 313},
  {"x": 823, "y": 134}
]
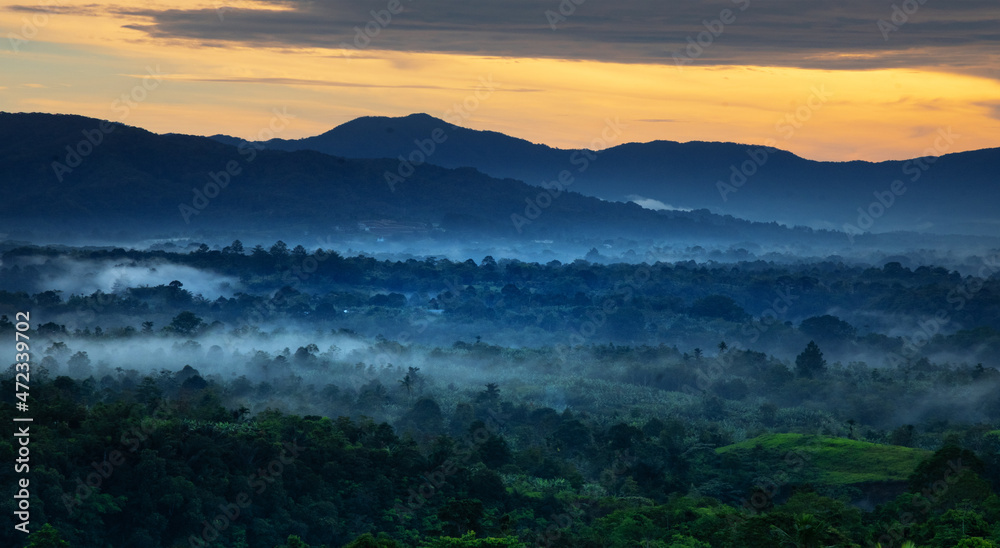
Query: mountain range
[
  {"x": 67, "y": 173},
  {"x": 73, "y": 173},
  {"x": 945, "y": 193}
]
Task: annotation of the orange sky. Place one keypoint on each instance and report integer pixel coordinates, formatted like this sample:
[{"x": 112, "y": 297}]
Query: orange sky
[{"x": 83, "y": 62}]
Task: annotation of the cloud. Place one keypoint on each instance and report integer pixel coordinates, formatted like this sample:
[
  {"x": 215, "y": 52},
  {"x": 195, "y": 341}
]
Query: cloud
[
  {"x": 993, "y": 108},
  {"x": 227, "y": 67},
  {"x": 74, "y": 277},
  {"x": 43, "y": 7},
  {"x": 655, "y": 205},
  {"x": 328, "y": 83},
  {"x": 961, "y": 34}
]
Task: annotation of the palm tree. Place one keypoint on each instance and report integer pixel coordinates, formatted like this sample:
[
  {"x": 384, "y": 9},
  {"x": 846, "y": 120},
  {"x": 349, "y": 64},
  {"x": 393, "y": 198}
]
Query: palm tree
[
  {"x": 809, "y": 532},
  {"x": 407, "y": 383},
  {"x": 491, "y": 395}
]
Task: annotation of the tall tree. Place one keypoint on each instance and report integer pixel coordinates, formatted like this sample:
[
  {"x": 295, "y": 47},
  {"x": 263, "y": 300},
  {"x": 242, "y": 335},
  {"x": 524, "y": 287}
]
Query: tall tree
[{"x": 810, "y": 363}]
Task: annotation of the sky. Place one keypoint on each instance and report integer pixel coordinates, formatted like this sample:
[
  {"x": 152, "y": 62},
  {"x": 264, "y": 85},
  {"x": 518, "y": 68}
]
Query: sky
[{"x": 847, "y": 80}]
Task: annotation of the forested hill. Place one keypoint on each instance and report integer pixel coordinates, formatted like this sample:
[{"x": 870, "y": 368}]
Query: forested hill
[
  {"x": 743, "y": 180},
  {"x": 81, "y": 173}
]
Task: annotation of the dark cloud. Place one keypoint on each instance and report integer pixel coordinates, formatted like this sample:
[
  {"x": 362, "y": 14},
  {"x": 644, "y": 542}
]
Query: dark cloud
[
  {"x": 994, "y": 109},
  {"x": 86, "y": 9},
  {"x": 329, "y": 83},
  {"x": 957, "y": 35}
]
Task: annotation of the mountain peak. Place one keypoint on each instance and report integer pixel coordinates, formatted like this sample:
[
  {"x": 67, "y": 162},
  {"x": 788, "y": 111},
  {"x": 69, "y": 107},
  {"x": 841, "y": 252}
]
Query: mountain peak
[
  {"x": 416, "y": 119},
  {"x": 421, "y": 116}
]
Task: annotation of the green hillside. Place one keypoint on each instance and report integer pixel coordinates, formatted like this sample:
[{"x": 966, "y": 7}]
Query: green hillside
[{"x": 839, "y": 461}]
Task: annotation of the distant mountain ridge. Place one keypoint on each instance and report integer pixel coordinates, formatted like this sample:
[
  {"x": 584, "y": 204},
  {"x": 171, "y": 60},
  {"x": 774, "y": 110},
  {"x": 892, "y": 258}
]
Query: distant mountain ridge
[
  {"x": 951, "y": 194},
  {"x": 75, "y": 173}
]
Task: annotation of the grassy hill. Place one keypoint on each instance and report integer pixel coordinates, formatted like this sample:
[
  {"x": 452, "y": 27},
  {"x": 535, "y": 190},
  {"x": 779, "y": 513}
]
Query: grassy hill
[{"x": 838, "y": 461}]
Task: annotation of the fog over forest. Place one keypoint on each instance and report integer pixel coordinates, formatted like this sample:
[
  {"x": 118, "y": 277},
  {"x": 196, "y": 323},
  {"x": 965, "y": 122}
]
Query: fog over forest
[
  {"x": 680, "y": 357},
  {"x": 445, "y": 274}
]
